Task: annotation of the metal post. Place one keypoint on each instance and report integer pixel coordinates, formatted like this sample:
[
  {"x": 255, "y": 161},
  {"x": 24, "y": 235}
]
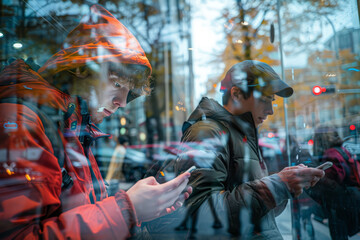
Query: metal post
[
  {"x": 295, "y": 232},
  {"x": 167, "y": 98},
  {"x": 336, "y": 45},
  {"x": 283, "y": 78}
]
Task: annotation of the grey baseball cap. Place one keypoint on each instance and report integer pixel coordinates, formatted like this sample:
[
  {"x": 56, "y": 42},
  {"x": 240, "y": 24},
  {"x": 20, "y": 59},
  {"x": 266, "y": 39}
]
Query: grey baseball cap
[{"x": 261, "y": 76}]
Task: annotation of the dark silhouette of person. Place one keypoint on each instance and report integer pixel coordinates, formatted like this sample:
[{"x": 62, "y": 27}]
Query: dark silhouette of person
[{"x": 339, "y": 191}]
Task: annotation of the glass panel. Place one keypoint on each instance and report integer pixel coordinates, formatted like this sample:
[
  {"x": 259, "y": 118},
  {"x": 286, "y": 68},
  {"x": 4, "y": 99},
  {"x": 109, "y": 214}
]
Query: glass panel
[
  {"x": 102, "y": 108},
  {"x": 321, "y": 58}
]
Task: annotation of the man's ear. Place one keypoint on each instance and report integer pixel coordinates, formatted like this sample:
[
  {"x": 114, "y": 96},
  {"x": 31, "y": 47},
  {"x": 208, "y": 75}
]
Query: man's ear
[{"x": 236, "y": 94}]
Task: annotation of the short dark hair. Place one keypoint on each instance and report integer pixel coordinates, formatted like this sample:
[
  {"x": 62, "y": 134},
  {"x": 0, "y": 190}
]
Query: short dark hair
[
  {"x": 123, "y": 139},
  {"x": 326, "y": 137},
  {"x": 227, "y": 94}
]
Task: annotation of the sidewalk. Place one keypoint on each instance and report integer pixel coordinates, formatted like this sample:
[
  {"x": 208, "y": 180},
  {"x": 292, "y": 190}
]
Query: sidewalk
[
  {"x": 321, "y": 230},
  {"x": 206, "y": 232}
]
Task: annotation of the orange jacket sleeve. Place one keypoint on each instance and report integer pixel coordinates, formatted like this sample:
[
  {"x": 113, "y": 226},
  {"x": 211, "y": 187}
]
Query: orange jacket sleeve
[{"x": 31, "y": 202}]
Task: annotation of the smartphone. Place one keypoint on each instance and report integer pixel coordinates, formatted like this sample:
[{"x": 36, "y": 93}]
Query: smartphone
[
  {"x": 325, "y": 166},
  {"x": 191, "y": 169}
]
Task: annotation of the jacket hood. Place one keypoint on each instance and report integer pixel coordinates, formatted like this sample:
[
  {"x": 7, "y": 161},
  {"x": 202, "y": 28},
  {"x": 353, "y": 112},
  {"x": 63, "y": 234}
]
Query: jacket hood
[
  {"x": 19, "y": 80},
  {"x": 99, "y": 37},
  {"x": 209, "y": 108}
]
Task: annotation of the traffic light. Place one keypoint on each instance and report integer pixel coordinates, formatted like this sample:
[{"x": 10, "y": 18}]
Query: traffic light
[
  {"x": 123, "y": 131},
  {"x": 123, "y": 128},
  {"x": 123, "y": 121},
  {"x": 317, "y": 90},
  {"x": 352, "y": 129}
]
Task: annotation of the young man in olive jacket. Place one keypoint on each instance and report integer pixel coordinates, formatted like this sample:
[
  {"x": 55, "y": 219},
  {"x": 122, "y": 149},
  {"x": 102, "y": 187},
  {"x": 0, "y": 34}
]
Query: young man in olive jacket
[{"x": 236, "y": 175}]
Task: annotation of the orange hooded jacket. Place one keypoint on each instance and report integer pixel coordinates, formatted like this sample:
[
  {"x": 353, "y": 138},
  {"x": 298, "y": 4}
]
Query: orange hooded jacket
[{"x": 32, "y": 203}]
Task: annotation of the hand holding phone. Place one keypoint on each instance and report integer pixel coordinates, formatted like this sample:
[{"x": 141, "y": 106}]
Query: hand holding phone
[
  {"x": 325, "y": 166},
  {"x": 151, "y": 199}
]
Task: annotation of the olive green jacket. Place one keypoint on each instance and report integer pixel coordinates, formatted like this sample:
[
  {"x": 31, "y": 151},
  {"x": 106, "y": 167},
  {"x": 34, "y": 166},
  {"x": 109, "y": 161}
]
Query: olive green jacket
[{"x": 231, "y": 170}]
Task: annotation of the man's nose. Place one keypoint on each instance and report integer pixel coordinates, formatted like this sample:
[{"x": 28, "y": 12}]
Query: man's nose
[
  {"x": 269, "y": 109},
  {"x": 120, "y": 97},
  {"x": 119, "y": 101}
]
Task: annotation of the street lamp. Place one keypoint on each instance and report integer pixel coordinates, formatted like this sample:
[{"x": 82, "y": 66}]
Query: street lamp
[{"x": 17, "y": 45}]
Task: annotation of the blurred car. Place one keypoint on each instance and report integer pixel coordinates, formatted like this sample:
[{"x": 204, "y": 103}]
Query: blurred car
[
  {"x": 153, "y": 155},
  {"x": 185, "y": 155},
  {"x": 272, "y": 153},
  {"x": 135, "y": 162}
]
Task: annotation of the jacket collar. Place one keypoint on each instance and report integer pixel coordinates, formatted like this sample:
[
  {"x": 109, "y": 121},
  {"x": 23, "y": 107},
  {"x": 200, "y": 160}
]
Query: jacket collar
[
  {"x": 209, "y": 108},
  {"x": 78, "y": 122}
]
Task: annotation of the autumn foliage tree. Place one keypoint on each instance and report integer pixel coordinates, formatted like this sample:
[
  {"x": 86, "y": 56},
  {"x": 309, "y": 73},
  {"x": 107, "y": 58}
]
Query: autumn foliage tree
[{"x": 248, "y": 23}]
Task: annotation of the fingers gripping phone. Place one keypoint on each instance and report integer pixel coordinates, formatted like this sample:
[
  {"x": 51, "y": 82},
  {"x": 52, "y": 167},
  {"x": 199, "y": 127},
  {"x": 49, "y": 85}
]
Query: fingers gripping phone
[{"x": 325, "y": 166}]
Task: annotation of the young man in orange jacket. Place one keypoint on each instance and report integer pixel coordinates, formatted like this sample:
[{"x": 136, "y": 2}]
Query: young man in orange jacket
[{"x": 100, "y": 68}]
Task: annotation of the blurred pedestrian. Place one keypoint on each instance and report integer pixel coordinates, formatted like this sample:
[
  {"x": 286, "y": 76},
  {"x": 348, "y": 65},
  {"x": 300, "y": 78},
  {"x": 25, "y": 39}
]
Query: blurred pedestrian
[
  {"x": 302, "y": 206},
  {"x": 192, "y": 212},
  {"x": 339, "y": 191},
  {"x": 115, "y": 170}
]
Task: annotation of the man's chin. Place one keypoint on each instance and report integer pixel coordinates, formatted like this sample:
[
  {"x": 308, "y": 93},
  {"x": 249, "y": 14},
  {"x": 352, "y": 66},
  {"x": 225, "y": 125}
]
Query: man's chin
[{"x": 97, "y": 119}]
